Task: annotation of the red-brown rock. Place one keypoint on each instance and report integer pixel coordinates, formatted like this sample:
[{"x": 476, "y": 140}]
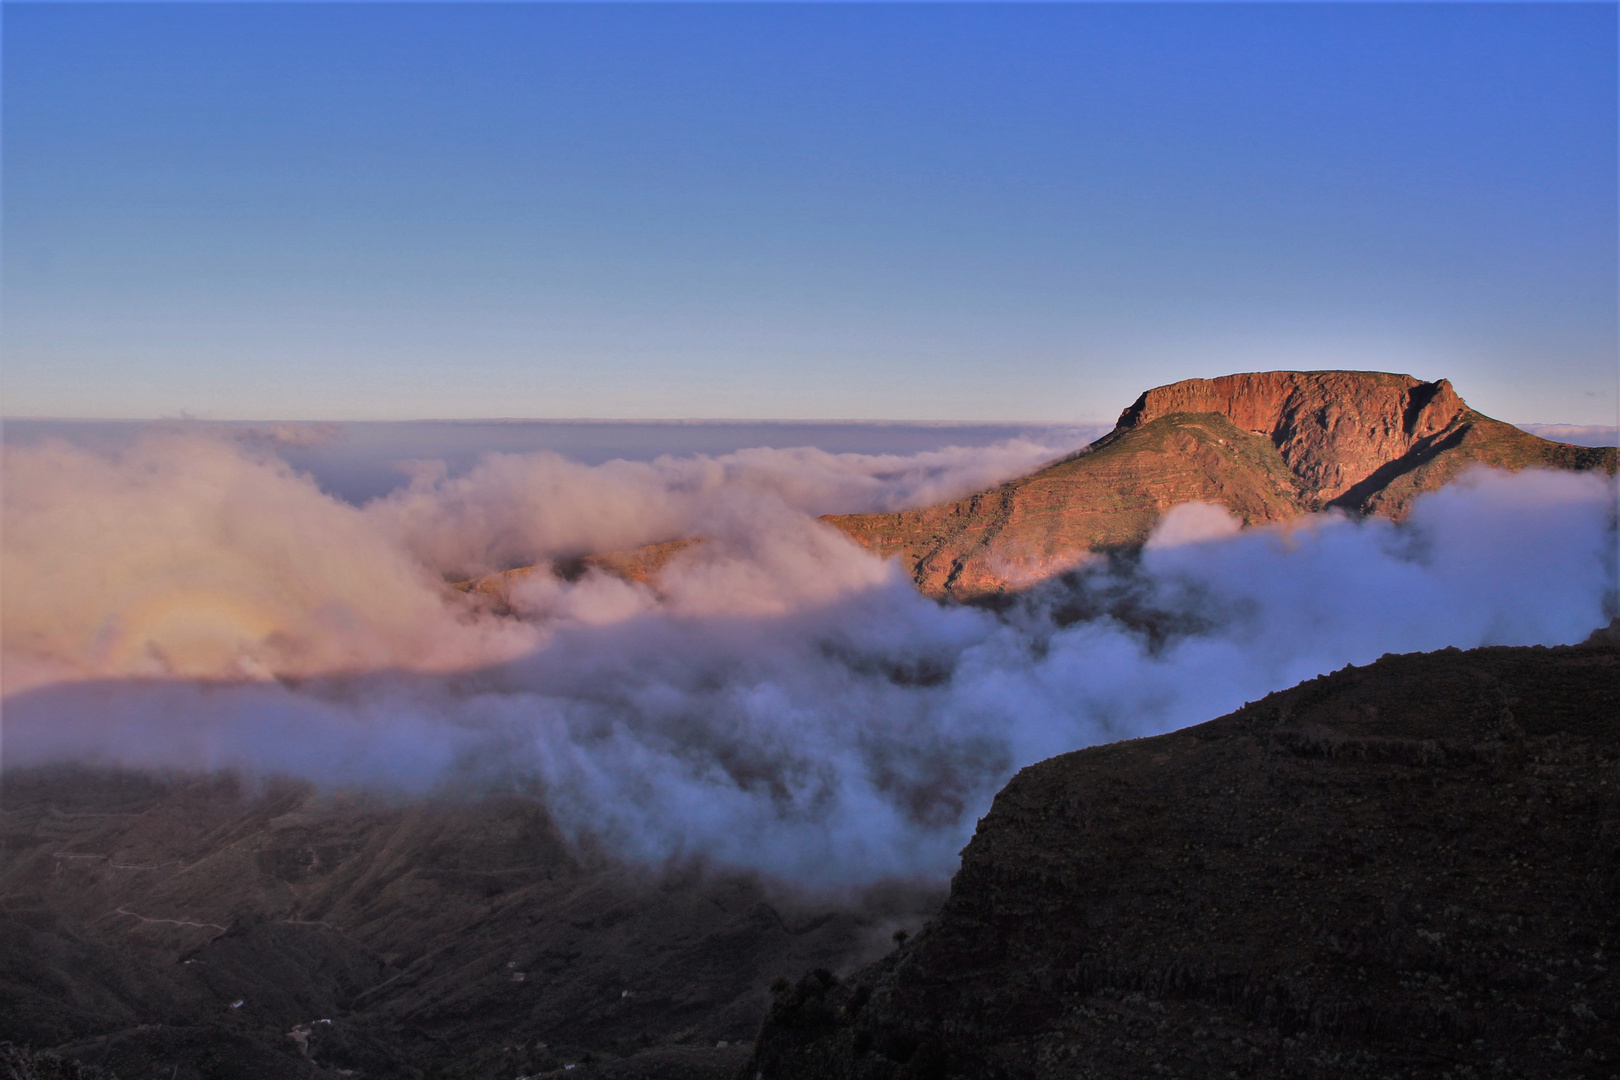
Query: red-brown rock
[{"x": 1268, "y": 446}]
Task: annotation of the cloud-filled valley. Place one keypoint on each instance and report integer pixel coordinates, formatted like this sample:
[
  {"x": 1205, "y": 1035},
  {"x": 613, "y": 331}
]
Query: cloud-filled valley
[{"x": 783, "y": 701}]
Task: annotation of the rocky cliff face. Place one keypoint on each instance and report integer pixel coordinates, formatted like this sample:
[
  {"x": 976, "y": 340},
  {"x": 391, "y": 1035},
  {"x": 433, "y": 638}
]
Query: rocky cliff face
[
  {"x": 1333, "y": 429},
  {"x": 1408, "y": 869},
  {"x": 1269, "y": 446}
]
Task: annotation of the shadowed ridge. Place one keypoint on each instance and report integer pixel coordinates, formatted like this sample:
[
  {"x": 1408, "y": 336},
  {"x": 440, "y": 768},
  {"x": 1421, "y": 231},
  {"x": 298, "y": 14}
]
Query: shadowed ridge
[
  {"x": 1473, "y": 439},
  {"x": 1410, "y": 868}
]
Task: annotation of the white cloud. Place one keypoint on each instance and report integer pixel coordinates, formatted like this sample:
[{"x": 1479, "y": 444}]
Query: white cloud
[{"x": 784, "y": 701}]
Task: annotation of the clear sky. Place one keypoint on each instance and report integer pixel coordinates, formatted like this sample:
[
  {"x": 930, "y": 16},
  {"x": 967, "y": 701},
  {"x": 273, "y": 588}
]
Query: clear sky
[{"x": 962, "y": 212}]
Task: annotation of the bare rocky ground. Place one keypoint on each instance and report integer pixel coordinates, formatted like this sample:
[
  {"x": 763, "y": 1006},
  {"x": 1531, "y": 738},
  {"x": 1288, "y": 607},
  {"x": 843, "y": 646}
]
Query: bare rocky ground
[
  {"x": 1410, "y": 869},
  {"x": 186, "y": 927}
]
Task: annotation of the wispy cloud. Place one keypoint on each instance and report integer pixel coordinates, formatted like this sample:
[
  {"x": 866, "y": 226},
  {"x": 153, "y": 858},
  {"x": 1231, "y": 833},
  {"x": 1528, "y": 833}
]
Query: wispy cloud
[{"x": 1579, "y": 434}]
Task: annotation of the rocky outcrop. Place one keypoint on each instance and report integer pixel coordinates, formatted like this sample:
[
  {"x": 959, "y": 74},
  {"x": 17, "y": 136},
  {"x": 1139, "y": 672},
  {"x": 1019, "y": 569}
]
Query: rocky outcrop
[
  {"x": 1333, "y": 429},
  {"x": 1474, "y": 439},
  {"x": 1269, "y": 446},
  {"x": 1410, "y": 869}
]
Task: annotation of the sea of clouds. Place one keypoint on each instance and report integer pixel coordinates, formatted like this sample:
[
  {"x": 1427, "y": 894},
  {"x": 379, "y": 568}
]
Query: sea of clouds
[{"x": 783, "y": 701}]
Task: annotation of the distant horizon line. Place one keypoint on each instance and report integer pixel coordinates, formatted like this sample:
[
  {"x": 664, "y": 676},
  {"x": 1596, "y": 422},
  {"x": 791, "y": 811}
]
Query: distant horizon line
[
  {"x": 664, "y": 420},
  {"x": 669, "y": 421}
]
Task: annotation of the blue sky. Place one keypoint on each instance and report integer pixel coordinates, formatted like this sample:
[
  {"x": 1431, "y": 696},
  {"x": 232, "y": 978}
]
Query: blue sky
[{"x": 951, "y": 212}]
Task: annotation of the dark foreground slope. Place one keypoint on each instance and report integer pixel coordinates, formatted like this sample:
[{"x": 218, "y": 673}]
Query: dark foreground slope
[
  {"x": 188, "y": 928},
  {"x": 17, "y": 1063},
  {"x": 1407, "y": 869}
]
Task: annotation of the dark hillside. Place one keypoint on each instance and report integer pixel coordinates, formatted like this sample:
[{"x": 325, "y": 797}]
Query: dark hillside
[
  {"x": 1407, "y": 869},
  {"x": 441, "y": 938}
]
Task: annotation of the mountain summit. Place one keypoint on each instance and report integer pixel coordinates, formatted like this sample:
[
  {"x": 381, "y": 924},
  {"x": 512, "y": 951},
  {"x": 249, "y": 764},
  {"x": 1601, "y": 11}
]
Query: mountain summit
[
  {"x": 1268, "y": 446},
  {"x": 1333, "y": 429}
]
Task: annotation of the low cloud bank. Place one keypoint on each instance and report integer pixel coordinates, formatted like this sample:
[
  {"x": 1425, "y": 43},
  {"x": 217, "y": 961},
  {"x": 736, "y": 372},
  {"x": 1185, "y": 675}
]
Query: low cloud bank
[
  {"x": 1579, "y": 434},
  {"x": 513, "y": 509},
  {"x": 785, "y": 702},
  {"x": 205, "y": 555}
]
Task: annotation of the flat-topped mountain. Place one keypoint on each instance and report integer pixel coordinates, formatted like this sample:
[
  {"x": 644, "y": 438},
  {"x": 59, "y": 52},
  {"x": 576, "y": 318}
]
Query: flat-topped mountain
[
  {"x": 1406, "y": 869},
  {"x": 1331, "y": 428},
  {"x": 1268, "y": 446}
]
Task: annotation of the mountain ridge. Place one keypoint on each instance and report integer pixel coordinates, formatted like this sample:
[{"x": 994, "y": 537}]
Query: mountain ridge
[
  {"x": 1406, "y": 868},
  {"x": 1268, "y": 446}
]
